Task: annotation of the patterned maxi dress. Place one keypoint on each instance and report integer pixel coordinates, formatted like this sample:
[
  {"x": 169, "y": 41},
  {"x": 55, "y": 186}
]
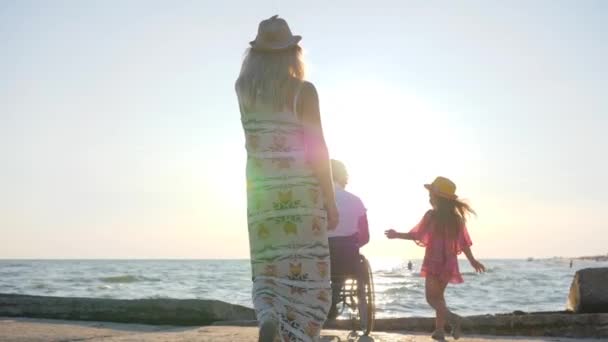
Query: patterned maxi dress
[{"x": 287, "y": 227}]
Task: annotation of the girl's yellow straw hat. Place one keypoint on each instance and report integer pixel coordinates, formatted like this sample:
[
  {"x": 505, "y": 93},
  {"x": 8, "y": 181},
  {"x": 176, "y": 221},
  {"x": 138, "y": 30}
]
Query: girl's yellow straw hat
[{"x": 442, "y": 187}]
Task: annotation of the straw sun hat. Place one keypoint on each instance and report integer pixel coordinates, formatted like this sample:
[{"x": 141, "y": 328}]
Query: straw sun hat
[
  {"x": 274, "y": 35},
  {"x": 442, "y": 187}
]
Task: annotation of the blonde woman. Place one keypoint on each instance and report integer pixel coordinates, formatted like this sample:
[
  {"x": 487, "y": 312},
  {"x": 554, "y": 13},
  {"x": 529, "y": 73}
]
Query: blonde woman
[{"x": 290, "y": 194}]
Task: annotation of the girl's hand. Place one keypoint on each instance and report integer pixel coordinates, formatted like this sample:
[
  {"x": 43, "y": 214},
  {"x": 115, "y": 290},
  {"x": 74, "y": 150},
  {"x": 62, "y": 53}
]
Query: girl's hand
[
  {"x": 391, "y": 234},
  {"x": 479, "y": 267}
]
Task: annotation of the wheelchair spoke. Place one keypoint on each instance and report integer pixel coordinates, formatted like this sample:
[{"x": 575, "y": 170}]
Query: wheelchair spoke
[{"x": 359, "y": 298}]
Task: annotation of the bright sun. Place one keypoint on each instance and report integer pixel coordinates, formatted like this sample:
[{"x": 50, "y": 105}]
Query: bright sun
[{"x": 392, "y": 142}]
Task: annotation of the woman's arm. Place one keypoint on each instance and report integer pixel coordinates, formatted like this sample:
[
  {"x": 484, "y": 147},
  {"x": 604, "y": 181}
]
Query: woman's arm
[{"x": 318, "y": 155}]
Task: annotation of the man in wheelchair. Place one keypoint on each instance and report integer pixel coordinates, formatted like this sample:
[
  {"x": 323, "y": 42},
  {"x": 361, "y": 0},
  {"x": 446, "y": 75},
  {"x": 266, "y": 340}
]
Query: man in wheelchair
[{"x": 351, "y": 234}]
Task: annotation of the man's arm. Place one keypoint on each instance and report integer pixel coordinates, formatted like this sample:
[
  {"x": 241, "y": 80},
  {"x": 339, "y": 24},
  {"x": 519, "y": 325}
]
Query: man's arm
[{"x": 363, "y": 231}]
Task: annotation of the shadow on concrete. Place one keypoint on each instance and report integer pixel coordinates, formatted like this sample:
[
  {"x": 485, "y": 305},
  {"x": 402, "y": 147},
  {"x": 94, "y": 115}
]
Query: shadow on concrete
[{"x": 352, "y": 337}]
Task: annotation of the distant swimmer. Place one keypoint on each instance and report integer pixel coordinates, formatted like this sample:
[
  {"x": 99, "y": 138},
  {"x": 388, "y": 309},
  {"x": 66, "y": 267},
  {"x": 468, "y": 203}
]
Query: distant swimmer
[
  {"x": 410, "y": 266},
  {"x": 570, "y": 263}
]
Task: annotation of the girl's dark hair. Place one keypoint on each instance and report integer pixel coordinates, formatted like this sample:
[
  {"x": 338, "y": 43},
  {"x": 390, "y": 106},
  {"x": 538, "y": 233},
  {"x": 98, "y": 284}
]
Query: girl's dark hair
[{"x": 451, "y": 214}]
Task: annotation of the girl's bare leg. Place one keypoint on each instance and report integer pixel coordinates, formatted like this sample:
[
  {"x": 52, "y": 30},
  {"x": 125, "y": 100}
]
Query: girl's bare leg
[
  {"x": 454, "y": 320},
  {"x": 435, "y": 289}
]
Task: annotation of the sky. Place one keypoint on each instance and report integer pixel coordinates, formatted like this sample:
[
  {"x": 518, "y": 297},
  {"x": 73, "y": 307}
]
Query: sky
[{"x": 120, "y": 135}]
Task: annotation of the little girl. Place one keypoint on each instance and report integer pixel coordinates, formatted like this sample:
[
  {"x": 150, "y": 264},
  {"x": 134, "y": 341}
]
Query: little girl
[{"x": 443, "y": 232}]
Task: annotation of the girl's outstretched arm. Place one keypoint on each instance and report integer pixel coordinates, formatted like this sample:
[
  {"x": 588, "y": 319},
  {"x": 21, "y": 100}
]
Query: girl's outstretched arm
[
  {"x": 392, "y": 234},
  {"x": 479, "y": 267}
]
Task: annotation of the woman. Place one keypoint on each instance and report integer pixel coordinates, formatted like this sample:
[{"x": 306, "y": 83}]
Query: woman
[{"x": 290, "y": 194}]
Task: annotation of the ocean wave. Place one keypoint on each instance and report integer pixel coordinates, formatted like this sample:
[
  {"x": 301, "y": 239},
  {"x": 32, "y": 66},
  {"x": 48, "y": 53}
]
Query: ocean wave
[
  {"x": 396, "y": 274},
  {"x": 401, "y": 290},
  {"x": 388, "y": 275},
  {"x": 15, "y": 265},
  {"x": 77, "y": 280},
  {"x": 157, "y": 296},
  {"x": 488, "y": 271},
  {"x": 6, "y": 274},
  {"x": 125, "y": 279}
]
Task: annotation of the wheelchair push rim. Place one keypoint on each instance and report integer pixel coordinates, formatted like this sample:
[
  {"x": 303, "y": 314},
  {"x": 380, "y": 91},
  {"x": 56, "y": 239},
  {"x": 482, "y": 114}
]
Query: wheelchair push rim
[{"x": 367, "y": 318}]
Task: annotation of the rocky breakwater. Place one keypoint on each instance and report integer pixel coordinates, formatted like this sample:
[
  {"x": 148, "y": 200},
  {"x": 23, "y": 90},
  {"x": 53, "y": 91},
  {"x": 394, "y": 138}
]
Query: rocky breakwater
[{"x": 147, "y": 311}]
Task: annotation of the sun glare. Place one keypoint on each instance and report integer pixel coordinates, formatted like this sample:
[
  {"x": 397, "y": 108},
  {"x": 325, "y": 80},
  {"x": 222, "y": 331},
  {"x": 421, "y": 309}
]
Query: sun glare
[{"x": 392, "y": 142}]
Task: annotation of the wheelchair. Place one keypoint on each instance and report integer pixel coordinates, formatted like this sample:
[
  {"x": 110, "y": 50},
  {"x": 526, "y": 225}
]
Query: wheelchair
[{"x": 358, "y": 300}]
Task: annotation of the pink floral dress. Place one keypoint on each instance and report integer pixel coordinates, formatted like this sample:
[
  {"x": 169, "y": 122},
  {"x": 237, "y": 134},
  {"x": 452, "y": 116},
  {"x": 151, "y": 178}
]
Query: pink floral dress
[{"x": 441, "y": 254}]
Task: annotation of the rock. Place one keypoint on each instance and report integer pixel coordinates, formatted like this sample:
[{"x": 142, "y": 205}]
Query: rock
[
  {"x": 589, "y": 291},
  {"x": 147, "y": 311}
]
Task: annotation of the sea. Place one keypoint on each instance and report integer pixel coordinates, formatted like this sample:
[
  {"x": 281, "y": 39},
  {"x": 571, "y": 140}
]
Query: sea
[{"x": 508, "y": 285}]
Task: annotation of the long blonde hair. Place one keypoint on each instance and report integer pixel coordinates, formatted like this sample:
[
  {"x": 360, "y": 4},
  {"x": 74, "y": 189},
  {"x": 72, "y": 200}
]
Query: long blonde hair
[
  {"x": 269, "y": 79},
  {"x": 451, "y": 214}
]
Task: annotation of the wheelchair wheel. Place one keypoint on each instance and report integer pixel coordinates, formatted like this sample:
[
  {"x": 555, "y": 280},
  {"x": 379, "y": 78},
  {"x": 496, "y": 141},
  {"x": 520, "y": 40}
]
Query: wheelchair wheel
[{"x": 367, "y": 309}]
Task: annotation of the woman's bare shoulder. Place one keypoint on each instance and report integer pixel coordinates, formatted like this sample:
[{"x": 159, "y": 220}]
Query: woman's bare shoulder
[{"x": 308, "y": 90}]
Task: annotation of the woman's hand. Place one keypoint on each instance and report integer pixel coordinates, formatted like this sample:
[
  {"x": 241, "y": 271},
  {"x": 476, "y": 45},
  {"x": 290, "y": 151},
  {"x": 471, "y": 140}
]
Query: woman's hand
[
  {"x": 391, "y": 234},
  {"x": 479, "y": 267},
  {"x": 333, "y": 217}
]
